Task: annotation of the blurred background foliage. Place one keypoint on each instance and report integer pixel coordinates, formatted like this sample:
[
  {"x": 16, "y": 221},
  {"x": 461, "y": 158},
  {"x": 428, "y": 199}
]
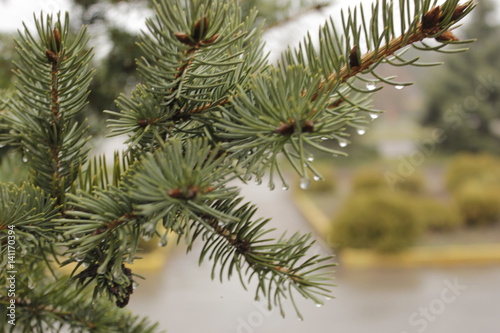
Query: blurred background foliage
[{"x": 463, "y": 96}]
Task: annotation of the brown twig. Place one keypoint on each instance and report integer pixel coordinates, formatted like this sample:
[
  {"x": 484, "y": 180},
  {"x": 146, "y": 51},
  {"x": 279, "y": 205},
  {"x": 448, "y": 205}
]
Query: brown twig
[{"x": 114, "y": 223}]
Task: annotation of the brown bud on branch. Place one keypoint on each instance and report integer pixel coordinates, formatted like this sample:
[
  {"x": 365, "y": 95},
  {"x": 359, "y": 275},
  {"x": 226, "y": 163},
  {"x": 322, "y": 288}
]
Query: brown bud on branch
[
  {"x": 184, "y": 38},
  {"x": 51, "y": 56},
  {"x": 57, "y": 39},
  {"x": 459, "y": 11},
  {"x": 354, "y": 57},
  {"x": 308, "y": 127},
  {"x": 200, "y": 29},
  {"x": 447, "y": 36},
  {"x": 430, "y": 20}
]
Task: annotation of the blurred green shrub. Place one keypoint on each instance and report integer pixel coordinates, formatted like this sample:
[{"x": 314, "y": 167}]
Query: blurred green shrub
[
  {"x": 366, "y": 179},
  {"x": 380, "y": 219},
  {"x": 329, "y": 181},
  {"x": 479, "y": 203},
  {"x": 438, "y": 216},
  {"x": 466, "y": 167}
]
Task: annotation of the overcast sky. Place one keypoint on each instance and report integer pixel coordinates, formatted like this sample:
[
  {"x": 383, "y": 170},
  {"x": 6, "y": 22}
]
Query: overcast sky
[{"x": 14, "y": 12}]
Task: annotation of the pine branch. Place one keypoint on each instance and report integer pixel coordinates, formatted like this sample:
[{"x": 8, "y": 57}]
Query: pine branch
[
  {"x": 52, "y": 80},
  {"x": 29, "y": 213},
  {"x": 278, "y": 114},
  {"x": 57, "y": 306},
  {"x": 278, "y": 265},
  {"x": 434, "y": 23},
  {"x": 191, "y": 68}
]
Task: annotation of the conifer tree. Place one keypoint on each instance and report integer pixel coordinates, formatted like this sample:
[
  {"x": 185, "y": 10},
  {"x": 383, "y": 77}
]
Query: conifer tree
[
  {"x": 210, "y": 110},
  {"x": 464, "y": 98}
]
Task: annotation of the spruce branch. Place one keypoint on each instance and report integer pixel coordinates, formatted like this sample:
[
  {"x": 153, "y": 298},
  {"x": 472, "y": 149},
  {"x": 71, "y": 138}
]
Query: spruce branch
[
  {"x": 195, "y": 56},
  {"x": 245, "y": 247},
  {"x": 435, "y": 23},
  {"x": 312, "y": 94},
  {"x": 30, "y": 213},
  {"x": 52, "y": 78},
  {"x": 57, "y": 307}
]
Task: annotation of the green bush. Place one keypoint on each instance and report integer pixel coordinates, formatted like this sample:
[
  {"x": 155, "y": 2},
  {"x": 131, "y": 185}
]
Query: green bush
[
  {"x": 479, "y": 203},
  {"x": 438, "y": 216},
  {"x": 381, "y": 220},
  {"x": 466, "y": 167},
  {"x": 373, "y": 178},
  {"x": 368, "y": 179},
  {"x": 329, "y": 181}
]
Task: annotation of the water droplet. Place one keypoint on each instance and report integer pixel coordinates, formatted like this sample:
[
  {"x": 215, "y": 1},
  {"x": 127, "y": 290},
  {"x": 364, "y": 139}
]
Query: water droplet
[
  {"x": 324, "y": 138},
  {"x": 317, "y": 178},
  {"x": 1, "y": 146},
  {"x": 318, "y": 305},
  {"x": 146, "y": 238},
  {"x": 371, "y": 86},
  {"x": 361, "y": 131},
  {"x": 300, "y": 319},
  {"x": 258, "y": 181},
  {"x": 135, "y": 285},
  {"x": 79, "y": 257},
  {"x": 25, "y": 159},
  {"x": 310, "y": 158},
  {"x": 399, "y": 87},
  {"x": 305, "y": 183},
  {"x": 24, "y": 251},
  {"x": 374, "y": 115},
  {"x": 285, "y": 187},
  {"x": 343, "y": 143},
  {"x": 163, "y": 241},
  {"x": 150, "y": 228},
  {"x": 31, "y": 284},
  {"x": 328, "y": 298},
  {"x": 76, "y": 238}
]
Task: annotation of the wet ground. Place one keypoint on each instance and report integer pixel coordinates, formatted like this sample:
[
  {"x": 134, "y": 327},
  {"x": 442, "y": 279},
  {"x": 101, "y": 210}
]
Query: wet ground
[{"x": 184, "y": 299}]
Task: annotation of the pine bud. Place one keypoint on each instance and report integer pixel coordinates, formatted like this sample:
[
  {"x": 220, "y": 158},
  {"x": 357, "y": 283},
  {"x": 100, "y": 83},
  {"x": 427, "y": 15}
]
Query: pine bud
[
  {"x": 210, "y": 40},
  {"x": 459, "y": 11},
  {"x": 183, "y": 38},
  {"x": 285, "y": 129},
  {"x": 353, "y": 57},
  {"x": 308, "y": 127},
  {"x": 336, "y": 103},
  {"x": 57, "y": 38},
  {"x": 447, "y": 36},
  {"x": 175, "y": 193},
  {"x": 200, "y": 28},
  {"x": 51, "y": 56},
  {"x": 431, "y": 18}
]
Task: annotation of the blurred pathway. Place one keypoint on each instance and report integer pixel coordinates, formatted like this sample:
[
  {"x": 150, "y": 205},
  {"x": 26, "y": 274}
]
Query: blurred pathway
[{"x": 433, "y": 300}]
